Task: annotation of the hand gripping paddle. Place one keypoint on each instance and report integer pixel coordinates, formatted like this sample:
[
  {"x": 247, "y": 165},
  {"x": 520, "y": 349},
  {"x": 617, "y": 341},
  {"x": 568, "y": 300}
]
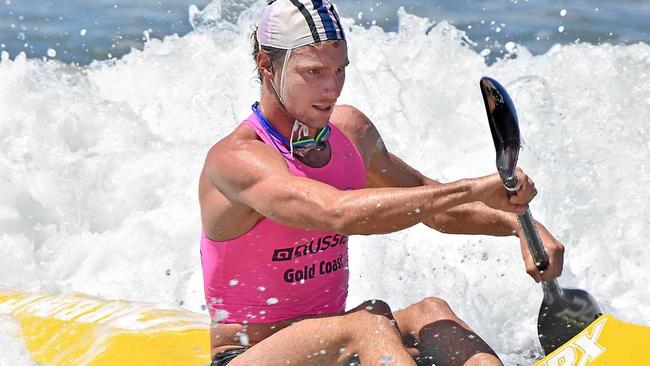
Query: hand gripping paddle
[{"x": 564, "y": 312}]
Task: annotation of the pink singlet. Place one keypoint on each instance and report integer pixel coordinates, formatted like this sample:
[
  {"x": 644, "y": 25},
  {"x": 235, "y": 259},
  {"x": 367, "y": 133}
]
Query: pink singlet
[{"x": 276, "y": 272}]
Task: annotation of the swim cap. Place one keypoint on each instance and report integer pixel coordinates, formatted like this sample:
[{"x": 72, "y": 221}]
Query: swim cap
[{"x": 289, "y": 24}]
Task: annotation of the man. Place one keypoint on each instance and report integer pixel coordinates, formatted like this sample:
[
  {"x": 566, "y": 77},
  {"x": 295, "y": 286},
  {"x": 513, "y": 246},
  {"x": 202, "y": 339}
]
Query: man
[{"x": 280, "y": 195}]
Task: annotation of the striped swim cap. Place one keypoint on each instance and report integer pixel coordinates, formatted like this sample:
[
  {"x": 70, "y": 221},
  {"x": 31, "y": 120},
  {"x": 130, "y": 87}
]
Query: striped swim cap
[{"x": 289, "y": 24}]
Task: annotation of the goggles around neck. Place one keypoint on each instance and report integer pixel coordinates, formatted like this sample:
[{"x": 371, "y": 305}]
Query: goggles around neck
[{"x": 321, "y": 136}]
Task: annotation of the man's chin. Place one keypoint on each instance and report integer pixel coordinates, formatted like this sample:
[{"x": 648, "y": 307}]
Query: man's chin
[{"x": 316, "y": 121}]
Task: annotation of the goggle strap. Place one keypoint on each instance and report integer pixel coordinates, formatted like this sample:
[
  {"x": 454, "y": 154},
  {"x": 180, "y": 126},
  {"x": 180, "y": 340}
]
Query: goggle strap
[{"x": 324, "y": 132}]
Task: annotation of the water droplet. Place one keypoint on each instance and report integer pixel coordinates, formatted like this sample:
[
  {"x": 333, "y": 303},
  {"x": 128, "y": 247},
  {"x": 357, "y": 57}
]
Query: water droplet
[
  {"x": 243, "y": 338},
  {"x": 51, "y": 52},
  {"x": 220, "y": 315},
  {"x": 560, "y": 29},
  {"x": 233, "y": 282},
  {"x": 562, "y": 12},
  {"x": 272, "y": 301}
]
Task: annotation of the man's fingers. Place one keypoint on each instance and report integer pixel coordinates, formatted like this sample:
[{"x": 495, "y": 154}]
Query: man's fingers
[
  {"x": 554, "y": 251},
  {"x": 519, "y": 209},
  {"x": 556, "y": 261},
  {"x": 531, "y": 269},
  {"x": 534, "y": 273},
  {"x": 525, "y": 189}
]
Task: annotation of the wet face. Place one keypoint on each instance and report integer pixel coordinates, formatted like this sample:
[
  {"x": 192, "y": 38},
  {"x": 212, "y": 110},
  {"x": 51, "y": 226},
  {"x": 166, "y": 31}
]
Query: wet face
[{"x": 313, "y": 81}]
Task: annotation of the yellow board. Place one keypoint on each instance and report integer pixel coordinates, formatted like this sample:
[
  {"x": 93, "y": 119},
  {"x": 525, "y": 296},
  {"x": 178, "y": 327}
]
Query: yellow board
[
  {"x": 606, "y": 342},
  {"x": 73, "y": 330}
]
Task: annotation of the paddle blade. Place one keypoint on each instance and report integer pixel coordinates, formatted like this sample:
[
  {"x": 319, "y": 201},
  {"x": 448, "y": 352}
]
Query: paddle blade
[
  {"x": 504, "y": 126},
  {"x": 562, "y": 317}
]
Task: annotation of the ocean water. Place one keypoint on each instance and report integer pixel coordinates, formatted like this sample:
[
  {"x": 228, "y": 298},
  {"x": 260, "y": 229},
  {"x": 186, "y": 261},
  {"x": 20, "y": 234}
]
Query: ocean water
[
  {"x": 78, "y": 31},
  {"x": 100, "y": 162}
]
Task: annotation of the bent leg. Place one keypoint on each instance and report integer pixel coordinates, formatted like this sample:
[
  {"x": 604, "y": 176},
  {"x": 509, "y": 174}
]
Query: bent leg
[
  {"x": 442, "y": 337},
  {"x": 332, "y": 340}
]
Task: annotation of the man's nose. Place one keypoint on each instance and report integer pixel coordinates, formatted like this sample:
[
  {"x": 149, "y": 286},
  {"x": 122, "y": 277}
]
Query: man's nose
[{"x": 331, "y": 87}]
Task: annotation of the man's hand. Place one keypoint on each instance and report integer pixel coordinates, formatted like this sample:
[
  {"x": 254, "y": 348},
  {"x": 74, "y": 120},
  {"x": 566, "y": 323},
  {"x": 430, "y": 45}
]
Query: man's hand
[
  {"x": 554, "y": 251},
  {"x": 490, "y": 191}
]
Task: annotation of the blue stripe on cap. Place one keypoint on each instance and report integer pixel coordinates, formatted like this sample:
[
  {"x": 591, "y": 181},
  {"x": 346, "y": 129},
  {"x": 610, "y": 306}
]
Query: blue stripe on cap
[
  {"x": 338, "y": 21},
  {"x": 328, "y": 24},
  {"x": 309, "y": 19}
]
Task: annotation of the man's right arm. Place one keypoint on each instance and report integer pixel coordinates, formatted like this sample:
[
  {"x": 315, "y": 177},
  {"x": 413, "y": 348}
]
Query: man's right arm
[{"x": 253, "y": 174}]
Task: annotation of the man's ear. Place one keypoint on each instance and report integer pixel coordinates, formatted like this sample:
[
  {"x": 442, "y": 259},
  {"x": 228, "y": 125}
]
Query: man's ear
[{"x": 265, "y": 65}]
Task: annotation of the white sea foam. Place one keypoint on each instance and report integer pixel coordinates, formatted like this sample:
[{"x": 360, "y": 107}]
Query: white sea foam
[
  {"x": 100, "y": 166},
  {"x": 14, "y": 352}
]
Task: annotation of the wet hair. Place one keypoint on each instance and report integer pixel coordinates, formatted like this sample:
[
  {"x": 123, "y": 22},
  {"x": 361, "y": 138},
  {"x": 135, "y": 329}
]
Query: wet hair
[{"x": 276, "y": 55}]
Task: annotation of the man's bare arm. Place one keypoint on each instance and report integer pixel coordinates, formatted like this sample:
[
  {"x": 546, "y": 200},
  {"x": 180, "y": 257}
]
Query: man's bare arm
[
  {"x": 251, "y": 173},
  {"x": 472, "y": 218},
  {"x": 387, "y": 170}
]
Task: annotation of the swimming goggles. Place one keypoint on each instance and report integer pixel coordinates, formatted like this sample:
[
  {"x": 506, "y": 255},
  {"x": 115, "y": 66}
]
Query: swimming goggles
[{"x": 321, "y": 136}]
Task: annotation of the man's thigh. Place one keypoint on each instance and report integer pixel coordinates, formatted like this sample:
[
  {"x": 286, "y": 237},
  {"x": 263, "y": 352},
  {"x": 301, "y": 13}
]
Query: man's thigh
[
  {"x": 319, "y": 341},
  {"x": 308, "y": 342}
]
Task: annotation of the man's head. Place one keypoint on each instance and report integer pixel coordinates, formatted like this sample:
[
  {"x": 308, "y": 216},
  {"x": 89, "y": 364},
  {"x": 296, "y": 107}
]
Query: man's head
[{"x": 301, "y": 53}]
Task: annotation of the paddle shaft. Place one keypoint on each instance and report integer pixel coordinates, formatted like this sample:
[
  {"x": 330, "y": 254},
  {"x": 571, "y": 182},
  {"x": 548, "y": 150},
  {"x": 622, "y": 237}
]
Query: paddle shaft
[
  {"x": 552, "y": 288},
  {"x": 527, "y": 225},
  {"x": 533, "y": 241}
]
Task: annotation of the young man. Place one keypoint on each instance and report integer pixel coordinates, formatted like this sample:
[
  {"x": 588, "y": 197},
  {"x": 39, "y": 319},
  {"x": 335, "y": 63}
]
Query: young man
[{"x": 281, "y": 194}]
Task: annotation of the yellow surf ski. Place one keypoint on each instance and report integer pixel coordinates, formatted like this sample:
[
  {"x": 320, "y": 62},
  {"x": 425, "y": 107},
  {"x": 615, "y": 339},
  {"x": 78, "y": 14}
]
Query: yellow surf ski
[
  {"x": 606, "y": 342},
  {"x": 66, "y": 330}
]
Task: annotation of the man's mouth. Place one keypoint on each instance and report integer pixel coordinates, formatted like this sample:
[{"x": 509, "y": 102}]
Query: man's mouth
[{"x": 323, "y": 108}]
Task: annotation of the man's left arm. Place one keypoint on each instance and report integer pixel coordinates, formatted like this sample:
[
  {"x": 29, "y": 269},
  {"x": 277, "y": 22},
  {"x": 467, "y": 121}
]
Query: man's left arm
[
  {"x": 475, "y": 218},
  {"x": 385, "y": 169}
]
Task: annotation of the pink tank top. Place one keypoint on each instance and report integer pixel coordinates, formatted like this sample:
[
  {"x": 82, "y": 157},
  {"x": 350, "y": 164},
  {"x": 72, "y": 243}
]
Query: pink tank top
[{"x": 276, "y": 272}]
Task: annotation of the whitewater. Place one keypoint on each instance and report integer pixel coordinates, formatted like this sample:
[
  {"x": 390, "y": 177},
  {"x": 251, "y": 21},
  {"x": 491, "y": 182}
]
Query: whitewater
[{"x": 100, "y": 166}]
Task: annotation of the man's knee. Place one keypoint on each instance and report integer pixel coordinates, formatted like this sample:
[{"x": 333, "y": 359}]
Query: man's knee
[
  {"x": 438, "y": 308},
  {"x": 485, "y": 358},
  {"x": 370, "y": 316},
  {"x": 377, "y": 307}
]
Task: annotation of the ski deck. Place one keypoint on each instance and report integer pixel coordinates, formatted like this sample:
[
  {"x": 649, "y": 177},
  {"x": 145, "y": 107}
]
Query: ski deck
[
  {"x": 63, "y": 330},
  {"x": 605, "y": 342}
]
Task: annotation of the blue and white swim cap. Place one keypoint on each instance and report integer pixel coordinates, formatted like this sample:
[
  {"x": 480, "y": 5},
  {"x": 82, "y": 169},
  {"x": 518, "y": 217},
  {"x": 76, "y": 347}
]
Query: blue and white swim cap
[{"x": 289, "y": 24}]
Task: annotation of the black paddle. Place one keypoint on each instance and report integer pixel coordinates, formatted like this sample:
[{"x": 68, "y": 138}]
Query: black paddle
[{"x": 564, "y": 312}]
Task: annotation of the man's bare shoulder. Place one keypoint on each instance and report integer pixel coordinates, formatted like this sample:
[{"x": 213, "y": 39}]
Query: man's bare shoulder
[
  {"x": 239, "y": 157},
  {"x": 358, "y": 128},
  {"x": 351, "y": 121}
]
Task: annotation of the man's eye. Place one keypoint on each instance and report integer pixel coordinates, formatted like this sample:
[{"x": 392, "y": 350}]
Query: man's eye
[
  {"x": 340, "y": 70},
  {"x": 313, "y": 71}
]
